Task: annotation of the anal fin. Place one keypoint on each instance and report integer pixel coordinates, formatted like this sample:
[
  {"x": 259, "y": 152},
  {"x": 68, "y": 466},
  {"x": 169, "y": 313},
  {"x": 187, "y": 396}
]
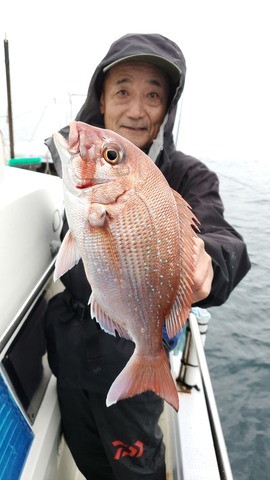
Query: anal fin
[{"x": 105, "y": 321}]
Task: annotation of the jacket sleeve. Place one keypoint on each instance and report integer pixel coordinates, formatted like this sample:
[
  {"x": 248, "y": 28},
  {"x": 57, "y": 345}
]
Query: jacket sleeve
[{"x": 199, "y": 186}]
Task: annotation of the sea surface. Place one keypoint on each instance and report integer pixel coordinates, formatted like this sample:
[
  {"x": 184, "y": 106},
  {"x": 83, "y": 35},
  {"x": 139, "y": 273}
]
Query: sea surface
[{"x": 238, "y": 341}]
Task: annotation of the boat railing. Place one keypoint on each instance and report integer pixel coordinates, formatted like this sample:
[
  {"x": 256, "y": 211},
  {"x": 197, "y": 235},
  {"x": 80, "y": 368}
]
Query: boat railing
[
  {"x": 194, "y": 363},
  {"x": 28, "y": 304}
]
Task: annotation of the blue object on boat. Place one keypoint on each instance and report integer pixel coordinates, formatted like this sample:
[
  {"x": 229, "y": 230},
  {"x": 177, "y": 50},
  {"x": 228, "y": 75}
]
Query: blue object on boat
[
  {"x": 201, "y": 314},
  {"x": 171, "y": 342},
  {"x": 16, "y": 436},
  {"x": 177, "y": 342}
]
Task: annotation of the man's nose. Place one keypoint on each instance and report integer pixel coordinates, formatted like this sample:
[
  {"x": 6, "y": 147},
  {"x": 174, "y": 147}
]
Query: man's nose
[{"x": 136, "y": 109}]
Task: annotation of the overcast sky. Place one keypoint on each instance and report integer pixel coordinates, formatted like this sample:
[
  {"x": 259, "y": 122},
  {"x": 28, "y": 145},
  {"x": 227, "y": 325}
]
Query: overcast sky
[{"x": 54, "y": 47}]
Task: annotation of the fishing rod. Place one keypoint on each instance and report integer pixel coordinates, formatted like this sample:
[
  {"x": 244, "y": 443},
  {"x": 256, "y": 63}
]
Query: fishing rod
[{"x": 10, "y": 121}]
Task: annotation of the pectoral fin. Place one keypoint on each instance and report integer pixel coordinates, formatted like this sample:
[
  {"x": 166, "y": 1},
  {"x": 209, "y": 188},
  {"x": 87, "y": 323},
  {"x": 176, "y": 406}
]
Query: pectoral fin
[{"x": 67, "y": 257}]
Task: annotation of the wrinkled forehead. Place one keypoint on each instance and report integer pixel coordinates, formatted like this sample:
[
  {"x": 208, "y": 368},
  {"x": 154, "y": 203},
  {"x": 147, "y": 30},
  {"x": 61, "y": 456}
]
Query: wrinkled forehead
[{"x": 132, "y": 69}]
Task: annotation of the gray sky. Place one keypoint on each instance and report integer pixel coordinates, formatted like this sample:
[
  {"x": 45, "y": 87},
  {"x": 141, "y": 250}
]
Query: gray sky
[{"x": 54, "y": 47}]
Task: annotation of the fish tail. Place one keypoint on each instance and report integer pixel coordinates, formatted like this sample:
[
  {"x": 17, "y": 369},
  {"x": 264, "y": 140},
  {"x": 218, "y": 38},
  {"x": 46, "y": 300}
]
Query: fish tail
[{"x": 140, "y": 375}]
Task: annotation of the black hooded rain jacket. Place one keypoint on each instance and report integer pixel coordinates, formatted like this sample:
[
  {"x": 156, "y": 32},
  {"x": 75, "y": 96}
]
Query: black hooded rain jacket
[{"x": 191, "y": 178}]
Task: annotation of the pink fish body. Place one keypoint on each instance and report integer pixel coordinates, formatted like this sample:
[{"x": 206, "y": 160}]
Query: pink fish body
[{"x": 135, "y": 237}]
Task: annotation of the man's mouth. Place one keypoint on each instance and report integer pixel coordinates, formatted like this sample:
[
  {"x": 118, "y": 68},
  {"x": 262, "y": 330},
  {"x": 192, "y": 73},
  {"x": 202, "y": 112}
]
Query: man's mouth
[{"x": 134, "y": 129}]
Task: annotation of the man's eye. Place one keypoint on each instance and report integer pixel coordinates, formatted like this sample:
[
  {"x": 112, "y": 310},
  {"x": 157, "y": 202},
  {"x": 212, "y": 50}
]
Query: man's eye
[
  {"x": 153, "y": 95},
  {"x": 153, "y": 99},
  {"x": 122, "y": 93}
]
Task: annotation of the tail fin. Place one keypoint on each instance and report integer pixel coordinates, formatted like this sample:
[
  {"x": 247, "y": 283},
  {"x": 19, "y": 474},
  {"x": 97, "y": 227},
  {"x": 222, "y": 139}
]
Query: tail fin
[{"x": 142, "y": 374}]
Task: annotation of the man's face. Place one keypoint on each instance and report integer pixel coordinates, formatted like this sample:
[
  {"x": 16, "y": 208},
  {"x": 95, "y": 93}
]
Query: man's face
[{"x": 134, "y": 101}]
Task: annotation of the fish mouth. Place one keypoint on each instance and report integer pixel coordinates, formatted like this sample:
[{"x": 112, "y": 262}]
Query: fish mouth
[{"x": 91, "y": 182}]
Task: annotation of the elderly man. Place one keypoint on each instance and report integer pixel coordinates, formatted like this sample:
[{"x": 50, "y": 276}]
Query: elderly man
[{"x": 134, "y": 92}]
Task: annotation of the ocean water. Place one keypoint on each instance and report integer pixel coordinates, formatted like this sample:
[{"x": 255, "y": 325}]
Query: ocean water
[{"x": 238, "y": 341}]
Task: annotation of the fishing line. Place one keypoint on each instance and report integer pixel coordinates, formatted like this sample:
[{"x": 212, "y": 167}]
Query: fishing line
[{"x": 239, "y": 182}]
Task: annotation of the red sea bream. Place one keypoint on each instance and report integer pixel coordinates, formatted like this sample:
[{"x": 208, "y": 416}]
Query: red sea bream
[{"x": 135, "y": 236}]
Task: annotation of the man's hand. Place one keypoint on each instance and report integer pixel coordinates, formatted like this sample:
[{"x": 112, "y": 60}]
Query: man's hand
[{"x": 204, "y": 274}]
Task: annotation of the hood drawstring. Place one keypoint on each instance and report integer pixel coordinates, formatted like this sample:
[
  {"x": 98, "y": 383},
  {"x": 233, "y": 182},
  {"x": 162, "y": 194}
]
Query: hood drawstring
[{"x": 157, "y": 145}]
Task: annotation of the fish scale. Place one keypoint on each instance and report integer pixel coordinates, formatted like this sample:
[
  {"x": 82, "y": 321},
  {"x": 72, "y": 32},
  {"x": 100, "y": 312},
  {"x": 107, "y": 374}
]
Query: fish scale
[
  {"x": 141, "y": 277},
  {"x": 135, "y": 236}
]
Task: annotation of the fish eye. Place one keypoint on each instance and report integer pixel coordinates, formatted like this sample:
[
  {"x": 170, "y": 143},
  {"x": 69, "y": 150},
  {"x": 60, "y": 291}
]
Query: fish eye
[{"x": 113, "y": 153}]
